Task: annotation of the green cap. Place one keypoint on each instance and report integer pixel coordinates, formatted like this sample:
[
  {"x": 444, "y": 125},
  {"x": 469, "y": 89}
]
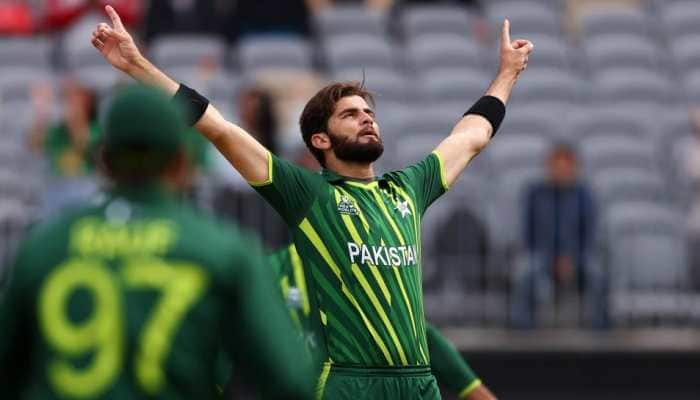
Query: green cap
[{"x": 144, "y": 118}]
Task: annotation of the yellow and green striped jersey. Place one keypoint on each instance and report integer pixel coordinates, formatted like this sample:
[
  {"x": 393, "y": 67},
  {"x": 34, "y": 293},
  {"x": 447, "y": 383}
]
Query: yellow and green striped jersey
[
  {"x": 448, "y": 366},
  {"x": 360, "y": 245}
]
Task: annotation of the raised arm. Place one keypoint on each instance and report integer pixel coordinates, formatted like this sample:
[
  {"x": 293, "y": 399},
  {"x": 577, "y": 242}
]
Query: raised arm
[
  {"x": 473, "y": 132},
  {"x": 245, "y": 153}
]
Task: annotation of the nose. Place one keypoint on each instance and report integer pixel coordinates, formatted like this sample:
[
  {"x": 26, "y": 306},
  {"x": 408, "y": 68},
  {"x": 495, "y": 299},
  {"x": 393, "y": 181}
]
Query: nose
[{"x": 366, "y": 118}]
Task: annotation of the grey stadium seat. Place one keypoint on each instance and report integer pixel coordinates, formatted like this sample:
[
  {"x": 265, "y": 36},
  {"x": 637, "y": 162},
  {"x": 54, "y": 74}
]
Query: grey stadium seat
[
  {"x": 601, "y": 153},
  {"x": 359, "y": 51},
  {"x": 647, "y": 261},
  {"x": 616, "y": 20},
  {"x": 686, "y": 52},
  {"x": 16, "y": 82},
  {"x": 20, "y": 52},
  {"x": 346, "y": 19},
  {"x": 621, "y": 50},
  {"x": 508, "y": 153},
  {"x": 414, "y": 147},
  {"x": 102, "y": 78},
  {"x": 680, "y": 18},
  {"x": 551, "y": 52},
  {"x": 549, "y": 84},
  {"x": 425, "y": 19},
  {"x": 188, "y": 50},
  {"x": 505, "y": 216},
  {"x": 454, "y": 85},
  {"x": 223, "y": 88},
  {"x": 387, "y": 85},
  {"x": 608, "y": 122},
  {"x": 428, "y": 52},
  {"x": 259, "y": 53},
  {"x": 526, "y": 17},
  {"x": 691, "y": 85},
  {"x": 621, "y": 85},
  {"x": 617, "y": 185},
  {"x": 532, "y": 120}
]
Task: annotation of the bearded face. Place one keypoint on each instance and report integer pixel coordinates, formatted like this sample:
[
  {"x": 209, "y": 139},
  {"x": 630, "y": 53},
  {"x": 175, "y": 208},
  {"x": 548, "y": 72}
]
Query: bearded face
[{"x": 353, "y": 132}]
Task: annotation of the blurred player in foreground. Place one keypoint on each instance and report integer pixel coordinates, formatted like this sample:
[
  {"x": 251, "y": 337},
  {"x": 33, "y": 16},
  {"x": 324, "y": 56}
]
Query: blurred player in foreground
[
  {"x": 358, "y": 234},
  {"x": 134, "y": 297},
  {"x": 447, "y": 364}
]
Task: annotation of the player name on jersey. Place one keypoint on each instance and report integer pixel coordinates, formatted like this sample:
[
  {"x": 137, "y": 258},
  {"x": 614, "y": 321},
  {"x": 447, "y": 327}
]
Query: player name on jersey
[{"x": 389, "y": 256}]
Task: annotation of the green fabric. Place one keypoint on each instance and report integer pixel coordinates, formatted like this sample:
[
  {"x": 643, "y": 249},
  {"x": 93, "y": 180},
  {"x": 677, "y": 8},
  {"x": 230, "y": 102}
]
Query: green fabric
[
  {"x": 62, "y": 161},
  {"x": 143, "y": 117},
  {"x": 448, "y": 366},
  {"x": 197, "y": 148},
  {"x": 140, "y": 264},
  {"x": 361, "y": 249},
  {"x": 348, "y": 385}
]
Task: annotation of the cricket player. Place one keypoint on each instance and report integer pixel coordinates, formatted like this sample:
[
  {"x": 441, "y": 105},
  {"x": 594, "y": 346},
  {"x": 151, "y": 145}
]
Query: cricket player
[
  {"x": 134, "y": 297},
  {"x": 357, "y": 233}
]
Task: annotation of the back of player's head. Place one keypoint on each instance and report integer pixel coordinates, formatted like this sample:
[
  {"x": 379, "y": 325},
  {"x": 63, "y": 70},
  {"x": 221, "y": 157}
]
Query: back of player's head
[
  {"x": 144, "y": 133},
  {"x": 314, "y": 118}
]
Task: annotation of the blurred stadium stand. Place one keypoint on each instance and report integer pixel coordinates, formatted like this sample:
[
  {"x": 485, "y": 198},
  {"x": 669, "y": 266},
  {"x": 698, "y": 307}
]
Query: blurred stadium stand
[{"x": 620, "y": 94}]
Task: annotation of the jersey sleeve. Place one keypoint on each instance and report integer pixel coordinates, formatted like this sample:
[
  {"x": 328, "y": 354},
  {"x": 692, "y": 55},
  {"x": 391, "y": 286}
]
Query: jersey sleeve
[
  {"x": 449, "y": 367},
  {"x": 290, "y": 189},
  {"x": 259, "y": 336},
  {"x": 427, "y": 178}
]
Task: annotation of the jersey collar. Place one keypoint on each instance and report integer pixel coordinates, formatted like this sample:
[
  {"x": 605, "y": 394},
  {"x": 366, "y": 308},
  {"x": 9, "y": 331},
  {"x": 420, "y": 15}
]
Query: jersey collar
[
  {"x": 333, "y": 177},
  {"x": 147, "y": 193}
]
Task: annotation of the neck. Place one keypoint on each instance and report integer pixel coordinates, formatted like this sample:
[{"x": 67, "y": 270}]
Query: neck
[{"x": 350, "y": 169}]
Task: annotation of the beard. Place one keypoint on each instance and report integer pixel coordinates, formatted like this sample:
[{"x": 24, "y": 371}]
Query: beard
[{"x": 351, "y": 150}]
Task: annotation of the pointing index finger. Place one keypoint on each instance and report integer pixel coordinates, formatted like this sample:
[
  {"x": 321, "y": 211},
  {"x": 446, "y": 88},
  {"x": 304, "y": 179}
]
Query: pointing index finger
[
  {"x": 116, "y": 21},
  {"x": 505, "y": 34}
]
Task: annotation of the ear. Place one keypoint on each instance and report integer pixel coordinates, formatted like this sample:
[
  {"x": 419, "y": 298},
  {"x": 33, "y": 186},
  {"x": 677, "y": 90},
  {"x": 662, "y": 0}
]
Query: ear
[{"x": 321, "y": 141}]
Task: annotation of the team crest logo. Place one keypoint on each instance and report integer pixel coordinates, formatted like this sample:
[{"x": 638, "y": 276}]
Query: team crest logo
[
  {"x": 346, "y": 206},
  {"x": 402, "y": 206}
]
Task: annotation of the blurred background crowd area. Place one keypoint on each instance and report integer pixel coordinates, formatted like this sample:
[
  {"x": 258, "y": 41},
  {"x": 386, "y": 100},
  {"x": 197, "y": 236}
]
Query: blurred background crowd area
[{"x": 584, "y": 211}]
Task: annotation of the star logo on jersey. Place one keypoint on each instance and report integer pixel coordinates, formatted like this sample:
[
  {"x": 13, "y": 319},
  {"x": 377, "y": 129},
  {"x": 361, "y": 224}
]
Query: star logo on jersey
[
  {"x": 402, "y": 206},
  {"x": 346, "y": 206}
]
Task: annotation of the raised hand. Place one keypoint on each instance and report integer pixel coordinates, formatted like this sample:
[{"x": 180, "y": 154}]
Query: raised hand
[
  {"x": 115, "y": 43},
  {"x": 513, "y": 54}
]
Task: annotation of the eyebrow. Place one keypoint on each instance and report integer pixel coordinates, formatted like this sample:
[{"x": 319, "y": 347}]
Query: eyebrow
[{"x": 355, "y": 109}]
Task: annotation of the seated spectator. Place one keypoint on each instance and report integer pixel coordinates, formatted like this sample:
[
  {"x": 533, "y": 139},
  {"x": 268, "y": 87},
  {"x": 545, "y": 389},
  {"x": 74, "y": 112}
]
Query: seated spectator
[
  {"x": 559, "y": 222},
  {"x": 69, "y": 145}
]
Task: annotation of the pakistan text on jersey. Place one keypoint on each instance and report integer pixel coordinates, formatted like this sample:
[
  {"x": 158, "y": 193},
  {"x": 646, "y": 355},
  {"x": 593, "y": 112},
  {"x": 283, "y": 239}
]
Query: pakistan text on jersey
[{"x": 389, "y": 256}]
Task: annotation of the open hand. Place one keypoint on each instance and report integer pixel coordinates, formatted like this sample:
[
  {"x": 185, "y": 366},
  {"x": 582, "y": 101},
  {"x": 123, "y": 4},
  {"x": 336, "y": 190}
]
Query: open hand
[
  {"x": 513, "y": 54},
  {"x": 115, "y": 43}
]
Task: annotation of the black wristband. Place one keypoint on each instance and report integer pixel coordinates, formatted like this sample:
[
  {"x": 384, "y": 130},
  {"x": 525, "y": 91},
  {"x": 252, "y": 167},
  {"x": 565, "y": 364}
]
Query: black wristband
[
  {"x": 490, "y": 108},
  {"x": 194, "y": 104}
]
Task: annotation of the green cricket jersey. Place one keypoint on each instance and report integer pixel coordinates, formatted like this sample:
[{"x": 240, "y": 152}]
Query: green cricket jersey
[
  {"x": 360, "y": 246},
  {"x": 134, "y": 298},
  {"x": 448, "y": 366}
]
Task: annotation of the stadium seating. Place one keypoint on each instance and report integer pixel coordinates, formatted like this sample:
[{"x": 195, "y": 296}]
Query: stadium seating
[
  {"x": 527, "y": 17},
  {"x": 432, "y": 51},
  {"x": 187, "y": 50},
  {"x": 350, "y": 19},
  {"x": 264, "y": 53},
  {"x": 619, "y": 95},
  {"x": 21, "y": 52},
  {"x": 359, "y": 51},
  {"x": 419, "y": 20}
]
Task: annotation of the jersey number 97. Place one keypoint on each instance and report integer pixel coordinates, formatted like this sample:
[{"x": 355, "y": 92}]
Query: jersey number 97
[{"x": 102, "y": 334}]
